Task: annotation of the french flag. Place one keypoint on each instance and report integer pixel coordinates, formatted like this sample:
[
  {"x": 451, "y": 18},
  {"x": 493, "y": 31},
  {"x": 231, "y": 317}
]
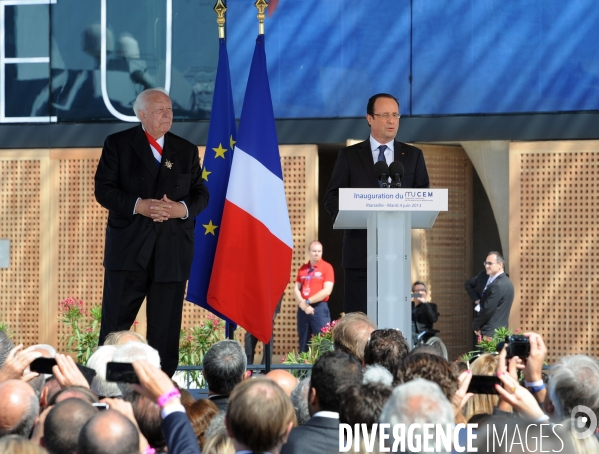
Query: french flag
[{"x": 252, "y": 264}]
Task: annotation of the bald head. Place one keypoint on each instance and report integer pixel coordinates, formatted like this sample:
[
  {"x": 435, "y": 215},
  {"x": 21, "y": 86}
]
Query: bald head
[
  {"x": 284, "y": 379},
  {"x": 19, "y": 406},
  {"x": 63, "y": 424},
  {"x": 108, "y": 432}
]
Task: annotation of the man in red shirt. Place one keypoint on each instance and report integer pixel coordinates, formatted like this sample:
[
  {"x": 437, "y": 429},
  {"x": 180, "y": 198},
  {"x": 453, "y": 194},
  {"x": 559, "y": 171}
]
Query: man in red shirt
[{"x": 313, "y": 286}]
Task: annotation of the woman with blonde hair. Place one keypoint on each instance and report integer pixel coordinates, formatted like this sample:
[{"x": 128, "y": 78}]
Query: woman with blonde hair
[
  {"x": 15, "y": 444},
  {"x": 482, "y": 404}
]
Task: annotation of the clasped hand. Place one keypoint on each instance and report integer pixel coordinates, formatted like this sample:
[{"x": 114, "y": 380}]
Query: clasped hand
[{"x": 160, "y": 210}]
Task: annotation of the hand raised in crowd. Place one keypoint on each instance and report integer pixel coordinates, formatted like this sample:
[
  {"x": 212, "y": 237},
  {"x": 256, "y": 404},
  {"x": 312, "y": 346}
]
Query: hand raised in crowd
[
  {"x": 153, "y": 382},
  {"x": 533, "y": 370},
  {"x": 518, "y": 397},
  {"x": 462, "y": 396},
  {"x": 508, "y": 367},
  {"x": 17, "y": 364},
  {"x": 67, "y": 373}
]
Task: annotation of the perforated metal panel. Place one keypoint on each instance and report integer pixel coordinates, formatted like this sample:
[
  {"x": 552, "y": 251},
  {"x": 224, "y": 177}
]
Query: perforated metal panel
[
  {"x": 20, "y": 223},
  {"x": 442, "y": 255},
  {"x": 81, "y": 230},
  {"x": 554, "y": 243}
]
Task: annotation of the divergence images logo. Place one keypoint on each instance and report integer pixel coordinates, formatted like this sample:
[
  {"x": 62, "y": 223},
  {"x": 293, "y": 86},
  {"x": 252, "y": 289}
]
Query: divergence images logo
[{"x": 584, "y": 422}]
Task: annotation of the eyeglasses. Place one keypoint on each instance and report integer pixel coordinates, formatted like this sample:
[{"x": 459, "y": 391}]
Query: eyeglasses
[
  {"x": 162, "y": 111},
  {"x": 490, "y": 263},
  {"x": 386, "y": 116}
]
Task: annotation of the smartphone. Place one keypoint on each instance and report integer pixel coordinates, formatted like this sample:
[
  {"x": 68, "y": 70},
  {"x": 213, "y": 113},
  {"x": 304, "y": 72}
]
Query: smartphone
[
  {"x": 484, "y": 384},
  {"x": 101, "y": 406},
  {"x": 122, "y": 372},
  {"x": 42, "y": 365}
]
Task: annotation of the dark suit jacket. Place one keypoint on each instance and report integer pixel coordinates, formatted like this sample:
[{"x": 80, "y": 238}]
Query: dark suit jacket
[
  {"x": 354, "y": 168},
  {"x": 179, "y": 435},
  {"x": 222, "y": 402},
  {"x": 495, "y": 305},
  {"x": 127, "y": 170},
  {"x": 317, "y": 436},
  {"x": 475, "y": 285},
  {"x": 424, "y": 316}
]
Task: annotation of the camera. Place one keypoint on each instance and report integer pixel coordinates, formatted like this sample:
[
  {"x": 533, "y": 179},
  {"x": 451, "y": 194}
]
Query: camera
[{"x": 517, "y": 345}]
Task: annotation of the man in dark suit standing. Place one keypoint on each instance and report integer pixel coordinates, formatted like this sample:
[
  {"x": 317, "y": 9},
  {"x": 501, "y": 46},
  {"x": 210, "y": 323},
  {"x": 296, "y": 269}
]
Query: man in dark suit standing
[
  {"x": 354, "y": 168},
  {"x": 150, "y": 181},
  {"x": 496, "y": 299}
]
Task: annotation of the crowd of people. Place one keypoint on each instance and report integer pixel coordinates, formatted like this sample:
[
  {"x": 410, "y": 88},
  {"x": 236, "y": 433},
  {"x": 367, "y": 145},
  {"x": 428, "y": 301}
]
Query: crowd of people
[{"x": 371, "y": 378}]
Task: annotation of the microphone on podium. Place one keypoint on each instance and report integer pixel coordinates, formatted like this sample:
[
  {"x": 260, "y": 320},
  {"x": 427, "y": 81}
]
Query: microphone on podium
[
  {"x": 382, "y": 173},
  {"x": 396, "y": 170}
]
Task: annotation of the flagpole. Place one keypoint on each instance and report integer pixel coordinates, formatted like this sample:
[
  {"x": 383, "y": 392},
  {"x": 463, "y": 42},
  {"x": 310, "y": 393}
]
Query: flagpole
[
  {"x": 220, "y": 10},
  {"x": 261, "y": 6}
]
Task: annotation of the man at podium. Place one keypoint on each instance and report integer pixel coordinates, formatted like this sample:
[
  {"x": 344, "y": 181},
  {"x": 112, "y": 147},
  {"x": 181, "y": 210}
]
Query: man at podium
[{"x": 354, "y": 168}]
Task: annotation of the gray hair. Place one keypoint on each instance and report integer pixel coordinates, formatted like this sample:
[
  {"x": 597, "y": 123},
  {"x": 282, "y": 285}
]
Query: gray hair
[
  {"x": 224, "y": 365},
  {"x": 299, "y": 398},
  {"x": 134, "y": 351},
  {"x": 376, "y": 373},
  {"x": 574, "y": 381},
  {"x": 6, "y": 346},
  {"x": 97, "y": 362},
  {"x": 418, "y": 401},
  {"x": 142, "y": 99}
]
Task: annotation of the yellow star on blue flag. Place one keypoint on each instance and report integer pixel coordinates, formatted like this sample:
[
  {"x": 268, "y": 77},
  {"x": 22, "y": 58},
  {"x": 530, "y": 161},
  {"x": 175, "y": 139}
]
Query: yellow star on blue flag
[
  {"x": 220, "y": 151},
  {"x": 210, "y": 228}
]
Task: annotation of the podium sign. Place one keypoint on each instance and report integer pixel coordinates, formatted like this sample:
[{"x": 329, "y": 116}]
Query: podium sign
[{"x": 388, "y": 215}]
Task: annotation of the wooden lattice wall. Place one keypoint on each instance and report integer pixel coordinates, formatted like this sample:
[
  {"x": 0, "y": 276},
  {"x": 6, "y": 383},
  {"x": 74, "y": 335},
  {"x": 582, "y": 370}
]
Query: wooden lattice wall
[
  {"x": 20, "y": 220},
  {"x": 56, "y": 229},
  {"x": 441, "y": 256},
  {"x": 554, "y": 243}
]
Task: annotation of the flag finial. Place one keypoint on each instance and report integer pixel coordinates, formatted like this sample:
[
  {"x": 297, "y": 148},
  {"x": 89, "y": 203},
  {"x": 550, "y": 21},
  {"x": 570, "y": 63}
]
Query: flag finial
[
  {"x": 220, "y": 9},
  {"x": 261, "y": 6}
]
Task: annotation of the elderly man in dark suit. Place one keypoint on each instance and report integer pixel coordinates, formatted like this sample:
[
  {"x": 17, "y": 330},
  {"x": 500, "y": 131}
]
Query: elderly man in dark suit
[
  {"x": 150, "y": 182},
  {"x": 354, "y": 168},
  {"x": 496, "y": 299}
]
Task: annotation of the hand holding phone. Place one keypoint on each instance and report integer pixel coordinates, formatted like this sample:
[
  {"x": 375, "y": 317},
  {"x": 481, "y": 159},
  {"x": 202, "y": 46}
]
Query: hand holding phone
[
  {"x": 483, "y": 384},
  {"x": 122, "y": 372}
]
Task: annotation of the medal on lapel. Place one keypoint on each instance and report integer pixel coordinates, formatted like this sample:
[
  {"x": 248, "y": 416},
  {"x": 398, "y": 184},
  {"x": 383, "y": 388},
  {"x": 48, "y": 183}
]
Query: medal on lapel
[{"x": 168, "y": 164}]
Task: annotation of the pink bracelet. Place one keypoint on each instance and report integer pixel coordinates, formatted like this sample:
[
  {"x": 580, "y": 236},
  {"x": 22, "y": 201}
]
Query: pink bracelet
[{"x": 167, "y": 397}]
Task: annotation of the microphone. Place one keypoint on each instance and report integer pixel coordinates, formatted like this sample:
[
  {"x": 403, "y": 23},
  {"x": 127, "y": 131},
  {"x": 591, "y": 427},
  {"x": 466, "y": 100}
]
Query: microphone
[
  {"x": 382, "y": 172},
  {"x": 396, "y": 170}
]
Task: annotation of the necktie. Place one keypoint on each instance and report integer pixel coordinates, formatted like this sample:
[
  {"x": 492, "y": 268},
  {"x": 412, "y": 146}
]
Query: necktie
[
  {"x": 382, "y": 149},
  {"x": 381, "y": 157}
]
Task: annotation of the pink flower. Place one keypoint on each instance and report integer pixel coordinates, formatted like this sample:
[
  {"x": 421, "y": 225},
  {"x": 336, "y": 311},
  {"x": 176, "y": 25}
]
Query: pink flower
[
  {"x": 202, "y": 325},
  {"x": 480, "y": 338},
  {"x": 516, "y": 331},
  {"x": 88, "y": 329},
  {"x": 284, "y": 359}
]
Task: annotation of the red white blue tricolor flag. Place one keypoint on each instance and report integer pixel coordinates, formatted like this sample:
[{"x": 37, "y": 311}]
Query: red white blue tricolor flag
[{"x": 252, "y": 264}]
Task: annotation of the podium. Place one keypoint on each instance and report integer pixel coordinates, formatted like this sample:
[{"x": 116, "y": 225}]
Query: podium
[{"x": 389, "y": 215}]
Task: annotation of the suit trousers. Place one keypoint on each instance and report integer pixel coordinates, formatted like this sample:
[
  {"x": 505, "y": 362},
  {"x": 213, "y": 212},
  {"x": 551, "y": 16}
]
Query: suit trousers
[
  {"x": 124, "y": 292},
  {"x": 355, "y": 298}
]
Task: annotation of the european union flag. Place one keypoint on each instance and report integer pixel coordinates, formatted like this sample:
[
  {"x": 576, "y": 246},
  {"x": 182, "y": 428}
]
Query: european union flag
[{"x": 215, "y": 172}]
